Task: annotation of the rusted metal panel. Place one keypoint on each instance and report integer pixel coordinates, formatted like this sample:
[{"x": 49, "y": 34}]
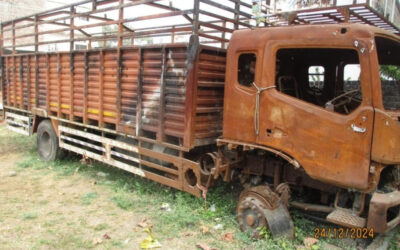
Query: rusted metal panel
[
  {"x": 130, "y": 63},
  {"x": 175, "y": 77},
  {"x": 42, "y": 84},
  {"x": 378, "y": 212},
  {"x": 210, "y": 93},
  {"x": 386, "y": 143},
  {"x": 293, "y": 126},
  {"x": 85, "y": 84}
]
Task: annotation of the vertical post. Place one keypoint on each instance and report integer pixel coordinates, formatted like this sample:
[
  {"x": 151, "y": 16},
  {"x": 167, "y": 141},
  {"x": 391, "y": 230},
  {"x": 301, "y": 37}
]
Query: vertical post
[
  {"x": 36, "y": 34},
  {"x": 1, "y": 41},
  {"x": 120, "y": 40},
  {"x": 94, "y": 5},
  {"x": 13, "y": 53},
  {"x": 236, "y": 16},
  {"x": 173, "y": 35},
  {"x": 13, "y": 38},
  {"x": 139, "y": 94},
  {"x": 14, "y": 83},
  {"x": 71, "y": 29},
  {"x": 7, "y": 62},
  {"x": 196, "y": 17},
  {"x": 28, "y": 81},
  {"x": 161, "y": 108},
  {"x": 48, "y": 83},
  {"x": 21, "y": 83},
  {"x": 223, "y": 35},
  {"x": 36, "y": 62},
  {"x": 59, "y": 79},
  {"x": 101, "y": 91},
  {"x": 85, "y": 90},
  {"x": 120, "y": 23},
  {"x": 71, "y": 62},
  {"x": 36, "y": 82},
  {"x": 2, "y": 87},
  {"x": 71, "y": 85}
]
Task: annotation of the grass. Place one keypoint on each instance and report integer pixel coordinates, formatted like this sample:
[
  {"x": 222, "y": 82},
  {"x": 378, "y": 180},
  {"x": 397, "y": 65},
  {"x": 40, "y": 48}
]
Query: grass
[
  {"x": 29, "y": 216},
  {"x": 101, "y": 226},
  {"x": 88, "y": 198},
  {"x": 122, "y": 201},
  {"x": 144, "y": 198}
]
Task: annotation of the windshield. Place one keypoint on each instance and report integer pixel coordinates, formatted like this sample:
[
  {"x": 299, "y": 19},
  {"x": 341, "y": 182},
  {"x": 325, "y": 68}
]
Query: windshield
[{"x": 389, "y": 62}]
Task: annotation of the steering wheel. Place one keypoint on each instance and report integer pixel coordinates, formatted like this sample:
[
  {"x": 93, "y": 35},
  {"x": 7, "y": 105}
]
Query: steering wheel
[{"x": 343, "y": 100}]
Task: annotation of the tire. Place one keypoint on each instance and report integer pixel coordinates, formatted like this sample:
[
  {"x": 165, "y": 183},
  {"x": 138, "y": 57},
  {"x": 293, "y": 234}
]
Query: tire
[{"x": 47, "y": 142}]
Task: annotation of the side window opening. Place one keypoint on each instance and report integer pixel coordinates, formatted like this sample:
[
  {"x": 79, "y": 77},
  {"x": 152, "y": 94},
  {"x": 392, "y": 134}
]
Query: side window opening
[
  {"x": 329, "y": 78},
  {"x": 246, "y": 69},
  {"x": 389, "y": 72}
]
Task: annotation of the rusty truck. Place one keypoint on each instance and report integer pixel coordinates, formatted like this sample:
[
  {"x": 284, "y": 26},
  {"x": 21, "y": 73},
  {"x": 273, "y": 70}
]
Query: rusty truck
[{"x": 301, "y": 108}]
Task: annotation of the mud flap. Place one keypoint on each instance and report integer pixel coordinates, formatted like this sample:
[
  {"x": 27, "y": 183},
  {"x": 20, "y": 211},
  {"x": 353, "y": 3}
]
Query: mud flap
[{"x": 279, "y": 222}]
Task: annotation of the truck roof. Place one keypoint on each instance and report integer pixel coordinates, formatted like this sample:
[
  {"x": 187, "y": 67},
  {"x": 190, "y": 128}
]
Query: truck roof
[
  {"x": 311, "y": 31},
  {"x": 91, "y": 24}
]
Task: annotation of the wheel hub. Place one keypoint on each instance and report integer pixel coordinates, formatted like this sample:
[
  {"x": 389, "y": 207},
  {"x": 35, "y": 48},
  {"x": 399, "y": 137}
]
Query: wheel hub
[{"x": 250, "y": 219}]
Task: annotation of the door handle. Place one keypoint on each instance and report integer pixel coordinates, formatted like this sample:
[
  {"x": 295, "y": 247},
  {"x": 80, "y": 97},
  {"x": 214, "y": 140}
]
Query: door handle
[{"x": 358, "y": 129}]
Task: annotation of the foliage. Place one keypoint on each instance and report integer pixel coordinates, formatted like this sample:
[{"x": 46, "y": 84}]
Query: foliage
[{"x": 390, "y": 72}]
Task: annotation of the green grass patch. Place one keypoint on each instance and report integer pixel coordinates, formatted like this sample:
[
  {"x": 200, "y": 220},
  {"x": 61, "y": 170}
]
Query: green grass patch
[
  {"x": 101, "y": 226},
  {"x": 88, "y": 198},
  {"x": 29, "y": 216},
  {"x": 122, "y": 201}
]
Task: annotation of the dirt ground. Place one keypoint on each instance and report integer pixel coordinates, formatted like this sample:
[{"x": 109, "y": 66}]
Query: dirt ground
[
  {"x": 42, "y": 209},
  {"x": 69, "y": 205}
]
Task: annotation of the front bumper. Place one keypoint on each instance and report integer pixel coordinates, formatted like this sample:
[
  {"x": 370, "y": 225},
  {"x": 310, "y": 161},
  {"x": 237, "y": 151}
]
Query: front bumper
[{"x": 378, "y": 211}]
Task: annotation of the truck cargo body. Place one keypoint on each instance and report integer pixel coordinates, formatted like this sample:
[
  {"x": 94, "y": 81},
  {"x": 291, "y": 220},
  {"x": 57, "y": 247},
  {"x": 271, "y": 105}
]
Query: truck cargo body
[{"x": 149, "y": 92}]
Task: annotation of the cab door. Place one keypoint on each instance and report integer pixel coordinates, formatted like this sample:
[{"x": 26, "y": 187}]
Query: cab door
[{"x": 332, "y": 143}]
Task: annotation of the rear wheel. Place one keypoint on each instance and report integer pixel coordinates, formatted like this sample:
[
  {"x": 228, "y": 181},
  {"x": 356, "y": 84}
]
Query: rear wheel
[{"x": 47, "y": 142}]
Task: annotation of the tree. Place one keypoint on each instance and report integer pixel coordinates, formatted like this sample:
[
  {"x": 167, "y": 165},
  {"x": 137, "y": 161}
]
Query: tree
[{"x": 390, "y": 72}]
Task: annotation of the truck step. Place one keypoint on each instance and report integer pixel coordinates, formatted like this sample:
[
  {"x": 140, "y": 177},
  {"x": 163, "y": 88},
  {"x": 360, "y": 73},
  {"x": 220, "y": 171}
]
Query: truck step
[{"x": 346, "y": 218}]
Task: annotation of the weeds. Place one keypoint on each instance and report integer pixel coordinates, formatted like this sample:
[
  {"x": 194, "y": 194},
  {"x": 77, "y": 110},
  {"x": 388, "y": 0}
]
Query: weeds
[
  {"x": 122, "y": 201},
  {"x": 101, "y": 226},
  {"x": 29, "y": 216},
  {"x": 88, "y": 198}
]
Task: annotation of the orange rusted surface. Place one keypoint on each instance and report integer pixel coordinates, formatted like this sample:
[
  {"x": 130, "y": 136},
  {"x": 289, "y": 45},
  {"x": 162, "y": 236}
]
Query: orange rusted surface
[
  {"x": 323, "y": 142},
  {"x": 154, "y": 90}
]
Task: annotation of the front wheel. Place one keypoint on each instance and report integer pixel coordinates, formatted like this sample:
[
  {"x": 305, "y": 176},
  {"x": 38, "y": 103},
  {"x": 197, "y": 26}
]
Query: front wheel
[
  {"x": 259, "y": 207},
  {"x": 47, "y": 142}
]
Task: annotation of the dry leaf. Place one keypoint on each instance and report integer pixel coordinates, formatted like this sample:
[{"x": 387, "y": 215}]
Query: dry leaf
[
  {"x": 204, "y": 229},
  {"x": 205, "y": 247},
  {"x": 309, "y": 242},
  {"x": 106, "y": 236},
  {"x": 228, "y": 237},
  {"x": 97, "y": 241},
  {"x": 143, "y": 223}
]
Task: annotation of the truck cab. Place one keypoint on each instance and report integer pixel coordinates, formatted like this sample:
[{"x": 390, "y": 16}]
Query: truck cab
[{"x": 327, "y": 98}]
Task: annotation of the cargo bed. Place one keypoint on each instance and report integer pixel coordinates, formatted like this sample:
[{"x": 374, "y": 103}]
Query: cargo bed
[{"x": 151, "y": 92}]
